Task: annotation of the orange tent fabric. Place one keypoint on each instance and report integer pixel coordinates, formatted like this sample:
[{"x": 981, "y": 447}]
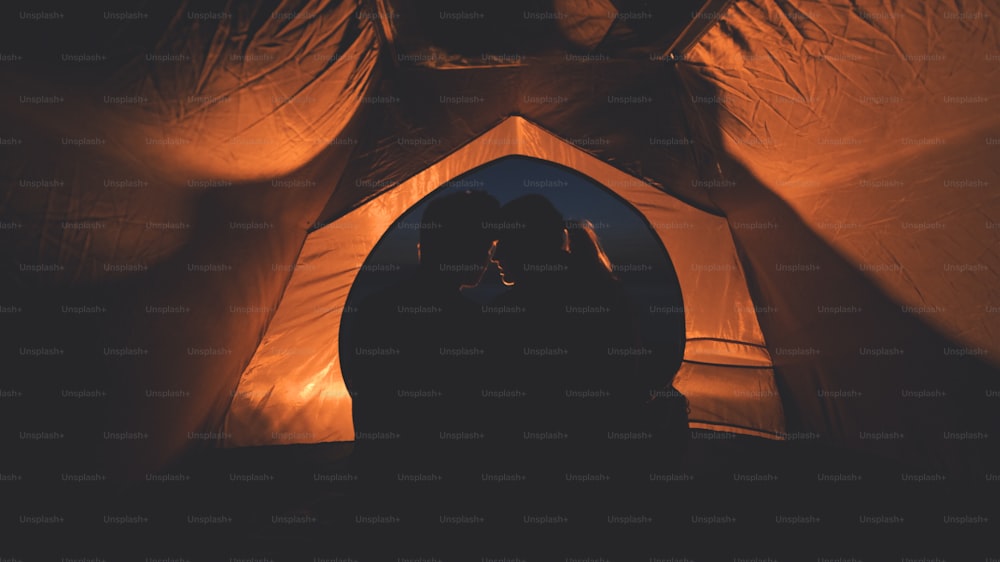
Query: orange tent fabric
[{"x": 839, "y": 155}]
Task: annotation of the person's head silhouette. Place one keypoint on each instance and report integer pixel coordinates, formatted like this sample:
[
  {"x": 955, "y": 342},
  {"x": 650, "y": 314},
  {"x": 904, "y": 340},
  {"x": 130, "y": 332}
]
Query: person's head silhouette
[
  {"x": 532, "y": 242},
  {"x": 456, "y": 236}
]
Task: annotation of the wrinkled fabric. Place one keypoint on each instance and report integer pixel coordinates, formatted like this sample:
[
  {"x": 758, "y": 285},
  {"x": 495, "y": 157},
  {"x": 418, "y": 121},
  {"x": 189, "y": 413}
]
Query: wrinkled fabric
[
  {"x": 835, "y": 160},
  {"x": 293, "y": 389}
]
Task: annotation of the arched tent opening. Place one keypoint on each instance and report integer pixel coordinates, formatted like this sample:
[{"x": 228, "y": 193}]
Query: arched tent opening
[
  {"x": 639, "y": 259},
  {"x": 293, "y": 391}
]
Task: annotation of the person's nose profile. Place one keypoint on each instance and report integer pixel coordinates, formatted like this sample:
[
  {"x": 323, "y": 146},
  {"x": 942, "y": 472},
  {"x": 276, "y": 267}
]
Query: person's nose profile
[
  {"x": 498, "y": 255},
  {"x": 497, "y": 252}
]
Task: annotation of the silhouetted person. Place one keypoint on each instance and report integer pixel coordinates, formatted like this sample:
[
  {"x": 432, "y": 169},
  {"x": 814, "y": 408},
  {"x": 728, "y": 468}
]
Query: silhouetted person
[
  {"x": 570, "y": 343},
  {"x": 642, "y": 372},
  {"x": 567, "y": 333},
  {"x": 654, "y": 365},
  {"x": 532, "y": 256},
  {"x": 417, "y": 349}
]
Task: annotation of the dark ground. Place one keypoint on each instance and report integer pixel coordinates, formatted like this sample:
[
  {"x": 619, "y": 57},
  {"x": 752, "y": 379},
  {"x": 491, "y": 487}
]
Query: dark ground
[{"x": 712, "y": 509}]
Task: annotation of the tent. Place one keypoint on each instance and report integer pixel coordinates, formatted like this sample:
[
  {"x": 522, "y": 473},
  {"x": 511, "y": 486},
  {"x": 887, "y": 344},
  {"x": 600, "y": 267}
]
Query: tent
[{"x": 187, "y": 202}]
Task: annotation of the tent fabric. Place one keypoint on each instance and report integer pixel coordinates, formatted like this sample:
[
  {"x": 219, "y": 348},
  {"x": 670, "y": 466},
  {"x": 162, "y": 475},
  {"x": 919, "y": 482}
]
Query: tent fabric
[
  {"x": 197, "y": 190},
  {"x": 904, "y": 96},
  {"x": 869, "y": 125},
  {"x": 723, "y": 398},
  {"x": 434, "y": 112},
  {"x": 843, "y": 153},
  {"x": 730, "y": 386},
  {"x": 293, "y": 389},
  {"x": 265, "y": 91}
]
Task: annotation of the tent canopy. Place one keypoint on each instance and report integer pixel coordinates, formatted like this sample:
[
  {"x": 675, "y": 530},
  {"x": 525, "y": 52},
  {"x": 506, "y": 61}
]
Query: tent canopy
[
  {"x": 840, "y": 154},
  {"x": 300, "y": 348}
]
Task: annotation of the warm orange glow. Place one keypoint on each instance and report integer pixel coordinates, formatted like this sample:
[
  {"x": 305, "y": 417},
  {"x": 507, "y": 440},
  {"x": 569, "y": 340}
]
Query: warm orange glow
[{"x": 310, "y": 314}]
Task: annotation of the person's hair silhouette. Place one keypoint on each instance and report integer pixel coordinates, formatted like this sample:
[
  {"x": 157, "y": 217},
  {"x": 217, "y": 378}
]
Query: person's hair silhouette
[
  {"x": 456, "y": 234},
  {"x": 587, "y": 255},
  {"x": 532, "y": 241}
]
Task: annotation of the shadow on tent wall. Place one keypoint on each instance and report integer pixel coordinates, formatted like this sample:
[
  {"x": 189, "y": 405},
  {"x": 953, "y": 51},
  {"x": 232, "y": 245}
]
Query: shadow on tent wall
[
  {"x": 873, "y": 404},
  {"x": 128, "y": 368}
]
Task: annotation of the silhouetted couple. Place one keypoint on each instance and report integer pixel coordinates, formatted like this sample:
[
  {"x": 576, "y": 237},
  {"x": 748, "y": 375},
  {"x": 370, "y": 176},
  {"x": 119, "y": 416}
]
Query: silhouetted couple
[{"x": 546, "y": 370}]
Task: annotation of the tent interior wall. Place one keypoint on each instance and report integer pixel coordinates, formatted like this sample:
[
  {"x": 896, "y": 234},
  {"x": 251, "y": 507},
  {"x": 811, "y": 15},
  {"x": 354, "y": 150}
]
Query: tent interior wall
[
  {"x": 284, "y": 397},
  {"x": 159, "y": 205}
]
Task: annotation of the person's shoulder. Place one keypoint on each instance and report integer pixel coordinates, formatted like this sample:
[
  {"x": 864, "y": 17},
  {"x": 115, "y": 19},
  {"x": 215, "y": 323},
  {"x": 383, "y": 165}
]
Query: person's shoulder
[
  {"x": 510, "y": 296},
  {"x": 615, "y": 296},
  {"x": 464, "y": 304},
  {"x": 617, "y": 289},
  {"x": 610, "y": 289},
  {"x": 387, "y": 300},
  {"x": 501, "y": 308}
]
